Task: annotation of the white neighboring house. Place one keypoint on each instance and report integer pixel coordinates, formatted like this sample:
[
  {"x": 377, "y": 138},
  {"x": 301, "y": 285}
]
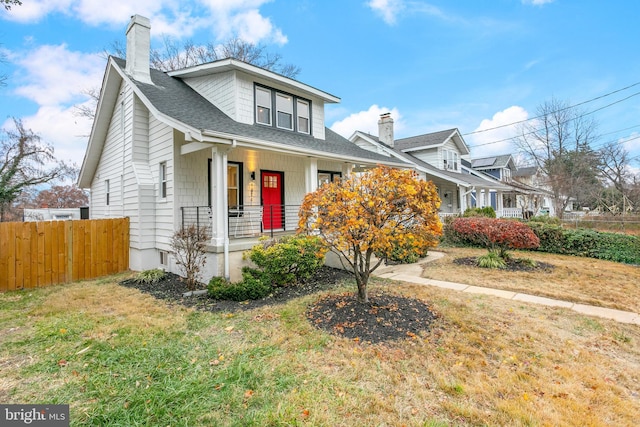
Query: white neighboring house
[
  {"x": 438, "y": 157},
  {"x": 48, "y": 214},
  {"x": 225, "y": 145}
]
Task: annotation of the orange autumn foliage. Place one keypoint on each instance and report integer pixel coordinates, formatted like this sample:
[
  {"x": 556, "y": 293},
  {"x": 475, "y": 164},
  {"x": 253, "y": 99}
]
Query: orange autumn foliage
[{"x": 371, "y": 214}]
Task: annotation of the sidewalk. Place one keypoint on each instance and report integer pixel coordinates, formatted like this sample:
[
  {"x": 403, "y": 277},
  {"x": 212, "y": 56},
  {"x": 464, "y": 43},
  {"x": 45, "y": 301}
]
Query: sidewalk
[{"x": 411, "y": 273}]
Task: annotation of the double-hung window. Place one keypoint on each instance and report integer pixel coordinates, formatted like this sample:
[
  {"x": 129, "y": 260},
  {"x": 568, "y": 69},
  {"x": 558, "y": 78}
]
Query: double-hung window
[
  {"x": 282, "y": 110},
  {"x": 450, "y": 160},
  {"x": 163, "y": 180},
  {"x": 263, "y": 106},
  {"x": 303, "y": 115},
  {"x": 107, "y": 190}
]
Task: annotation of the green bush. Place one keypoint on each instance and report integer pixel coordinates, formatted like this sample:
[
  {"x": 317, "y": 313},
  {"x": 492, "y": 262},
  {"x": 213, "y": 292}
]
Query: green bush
[
  {"x": 149, "y": 276},
  {"x": 405, "y": 253},
  {"x": 250, "y": 288},
  {"x": 287, "y": 260},
  {"x": 587, "y": 243},
  {"x": 487, "y": 211},
  {"x": 546, "y": 219},
  {"x": 491, "y": 260}
]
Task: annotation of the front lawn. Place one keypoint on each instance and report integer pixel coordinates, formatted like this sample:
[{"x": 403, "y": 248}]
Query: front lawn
[
  {"x": 123, "y": 358},
  {"x": 577, "y": 279}
]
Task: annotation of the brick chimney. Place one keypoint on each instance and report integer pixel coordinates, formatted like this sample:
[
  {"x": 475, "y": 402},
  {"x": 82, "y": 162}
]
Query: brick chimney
[
  {"x": 138, "y": 49},
  {"x": 385, "y": 129}
]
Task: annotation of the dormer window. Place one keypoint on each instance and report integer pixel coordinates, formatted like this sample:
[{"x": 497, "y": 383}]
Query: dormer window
[
  {"x": 263, "y": 106},
  {"x": 290, "y": 112},
  {"x": 450, "y": 160},
  {"x": 284, "y": 107}
]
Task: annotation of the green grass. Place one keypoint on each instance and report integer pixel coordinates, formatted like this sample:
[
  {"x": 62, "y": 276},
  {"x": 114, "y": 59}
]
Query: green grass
[{"x": 121, "y": 358}]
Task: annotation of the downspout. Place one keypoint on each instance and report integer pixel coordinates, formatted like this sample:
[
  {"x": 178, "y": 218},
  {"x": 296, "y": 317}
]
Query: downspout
[{"x": 227, "y": 271}]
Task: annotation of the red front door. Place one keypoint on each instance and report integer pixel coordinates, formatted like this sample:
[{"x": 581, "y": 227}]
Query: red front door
[{"x": 272, "y": 217}]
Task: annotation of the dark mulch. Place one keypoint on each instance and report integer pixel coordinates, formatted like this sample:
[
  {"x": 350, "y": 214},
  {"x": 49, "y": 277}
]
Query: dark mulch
[
  {"x": 386, "y": 317},
  {"x": 171, "y": 288},
  {"x": 513, "y": 264}
]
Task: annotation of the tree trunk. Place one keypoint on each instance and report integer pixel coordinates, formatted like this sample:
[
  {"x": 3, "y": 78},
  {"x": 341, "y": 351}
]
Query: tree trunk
[{"x": 363, "y": 298}]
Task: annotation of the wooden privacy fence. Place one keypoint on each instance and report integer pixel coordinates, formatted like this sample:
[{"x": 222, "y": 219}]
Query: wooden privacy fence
[{"x": 37, "y": 254}]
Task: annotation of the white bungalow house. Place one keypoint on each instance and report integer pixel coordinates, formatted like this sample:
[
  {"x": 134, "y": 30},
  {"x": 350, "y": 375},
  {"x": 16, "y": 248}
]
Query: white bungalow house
[
  {"x": 225, "y": 145},
  {"x": 438, "y": 157}
]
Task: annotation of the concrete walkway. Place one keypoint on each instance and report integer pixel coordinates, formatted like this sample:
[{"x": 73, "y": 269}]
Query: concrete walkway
[{"x": 411, "y": 273}]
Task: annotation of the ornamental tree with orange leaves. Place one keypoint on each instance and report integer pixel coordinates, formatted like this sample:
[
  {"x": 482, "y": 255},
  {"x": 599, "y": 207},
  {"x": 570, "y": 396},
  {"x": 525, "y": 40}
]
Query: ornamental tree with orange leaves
[{"x": 369, "y": 214}]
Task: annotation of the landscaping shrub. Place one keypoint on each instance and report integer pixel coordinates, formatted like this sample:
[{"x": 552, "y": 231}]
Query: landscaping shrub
[
  {"x": 288, "y": 259},
  {"x": 588, "y": 243},
  {"x": 497, "y": 235},
  {"x": 546, "y": 219},
  {"x": 405, "y": 252},
  {"x": 250, "y": 288},
  {"x": 189, "y": 249},
  {"x": 149, "y": 276},
  {"x": 491, "y": 260},
  {"x": 486, "y": 211}
]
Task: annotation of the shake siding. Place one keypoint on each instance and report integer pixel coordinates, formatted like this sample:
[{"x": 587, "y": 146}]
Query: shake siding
[
  {"x": 244, "y": 98},
  {"x": 219, "y": 89},
  {"x": 432, "y": 156}
]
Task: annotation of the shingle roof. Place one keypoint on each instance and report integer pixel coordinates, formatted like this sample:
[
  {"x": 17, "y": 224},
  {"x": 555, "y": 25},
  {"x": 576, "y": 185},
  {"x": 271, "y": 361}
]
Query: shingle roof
[
  {"x": 425, "y": 140},
  {"x": 486, "y": 163},
  {"x": 174, "y": 98}
]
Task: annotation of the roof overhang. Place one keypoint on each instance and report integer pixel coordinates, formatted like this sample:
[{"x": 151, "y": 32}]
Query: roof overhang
[{"x": 229, "y": 64}]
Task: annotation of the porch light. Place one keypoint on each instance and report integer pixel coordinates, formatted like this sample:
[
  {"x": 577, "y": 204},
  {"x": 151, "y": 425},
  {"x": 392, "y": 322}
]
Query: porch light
[{"x": 253, "y": 176}]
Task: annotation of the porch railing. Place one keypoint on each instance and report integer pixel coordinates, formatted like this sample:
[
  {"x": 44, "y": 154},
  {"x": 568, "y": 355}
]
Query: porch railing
[{"x": 246, "y": 220}]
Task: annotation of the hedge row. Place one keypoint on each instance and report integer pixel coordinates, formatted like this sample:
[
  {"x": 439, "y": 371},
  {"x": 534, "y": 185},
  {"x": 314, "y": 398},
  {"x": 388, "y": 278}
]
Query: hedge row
[
  {"x": 559, "y": 240},
  {"x": 587, "y": 243}
]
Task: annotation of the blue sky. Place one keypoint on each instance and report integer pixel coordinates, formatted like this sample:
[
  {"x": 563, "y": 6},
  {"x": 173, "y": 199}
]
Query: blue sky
[{"x": 434, "y": 65}]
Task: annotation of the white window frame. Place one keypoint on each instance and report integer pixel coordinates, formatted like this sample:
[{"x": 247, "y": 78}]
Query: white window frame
[
  {"x": 237, "y": 187},
  {"x": 450, "y": 160},
  {"x": 107, "y": 191},
  {"x": 163, "y": 180},
  {"x": 301, "y": 115},
  {"x": 260, "y": 104},
  {"x": 284, "y": 105}
]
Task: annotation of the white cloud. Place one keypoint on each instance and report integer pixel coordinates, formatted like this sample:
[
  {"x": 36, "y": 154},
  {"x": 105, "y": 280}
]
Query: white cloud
[
  {"x": 537, "y": 2},
  {"x": 493, "y": 136},
  {"x": 56, "y": 78},
  {"x": 388, "y": 9},
  {"x": 176, "y": 19},
  {"x": 366, "y": 121},
  {"x": 253, "y": 27}
]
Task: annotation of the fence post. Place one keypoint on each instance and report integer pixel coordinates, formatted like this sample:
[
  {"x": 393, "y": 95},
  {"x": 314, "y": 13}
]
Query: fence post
[{"x": 68, "y": 240}]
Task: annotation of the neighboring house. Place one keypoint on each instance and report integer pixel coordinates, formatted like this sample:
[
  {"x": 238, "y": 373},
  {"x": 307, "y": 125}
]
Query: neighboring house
[
  {"x": 540, "y": 200},
  {"x": 48, "y": 214},
  {"x": 438, "y": 157},
  {"x": 225, "y": 145}
]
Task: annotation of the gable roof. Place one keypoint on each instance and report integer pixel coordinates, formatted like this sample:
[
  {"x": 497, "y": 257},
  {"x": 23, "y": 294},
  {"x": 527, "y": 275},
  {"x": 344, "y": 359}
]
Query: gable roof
[
  {"x": 466, "y": 180},
  {"x": 432, "y": 140},
  {"x": 175, "y": 103},
  {"x": 494, "y": 162}
]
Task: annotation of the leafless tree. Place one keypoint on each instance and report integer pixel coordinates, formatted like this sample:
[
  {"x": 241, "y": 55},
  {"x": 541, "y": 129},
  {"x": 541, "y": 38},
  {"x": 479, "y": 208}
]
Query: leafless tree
[
  {"x": 173, "y": 56},
  {"x": 25, "y": 162},
  {"x": 559, "y": 143}
]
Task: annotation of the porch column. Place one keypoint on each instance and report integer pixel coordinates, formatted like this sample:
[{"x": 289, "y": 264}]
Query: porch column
[
  {"x": 463, "y": 199},
  {"x": 347, "y": 168},
  {"x": 499, "y": 204},
  {"x": 219, "y": 201},
  {"x": 310, "y": 174}
]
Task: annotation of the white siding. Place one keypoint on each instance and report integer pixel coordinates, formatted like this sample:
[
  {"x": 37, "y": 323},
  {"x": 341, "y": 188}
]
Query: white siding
[
  {"x": 432, "y": 156},
  {"x": 219, "y": 89},
  {"x": 112, "y": 164},
  {"x": 161, "y": 150}
]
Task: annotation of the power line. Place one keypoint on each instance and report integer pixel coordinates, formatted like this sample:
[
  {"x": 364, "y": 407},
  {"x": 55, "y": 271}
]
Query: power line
[{"x": 557, "y": 111}]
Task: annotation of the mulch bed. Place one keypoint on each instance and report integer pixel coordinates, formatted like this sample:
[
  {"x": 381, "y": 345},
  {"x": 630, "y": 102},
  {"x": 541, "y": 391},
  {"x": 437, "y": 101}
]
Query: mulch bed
[
  {"x": 172, "y": 286},
  {"x": 513, "y": 264},
  {"x": 386, "y": 317}
]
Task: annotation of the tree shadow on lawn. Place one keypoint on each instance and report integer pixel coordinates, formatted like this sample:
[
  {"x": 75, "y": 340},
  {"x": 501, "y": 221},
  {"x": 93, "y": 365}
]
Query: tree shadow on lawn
[{"x": 386, "y": 317}]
